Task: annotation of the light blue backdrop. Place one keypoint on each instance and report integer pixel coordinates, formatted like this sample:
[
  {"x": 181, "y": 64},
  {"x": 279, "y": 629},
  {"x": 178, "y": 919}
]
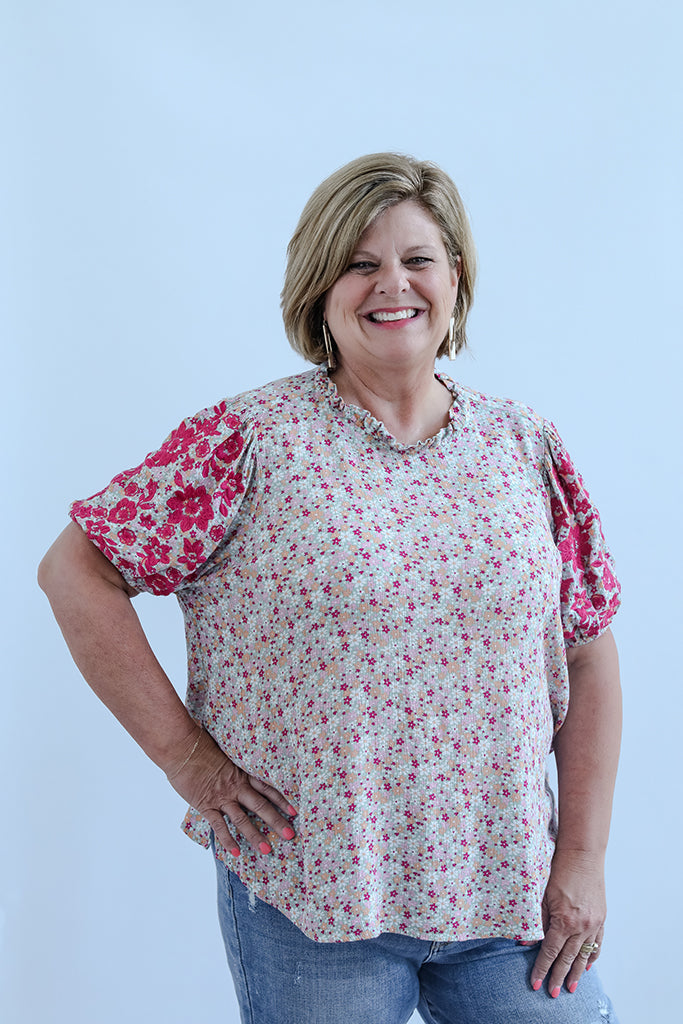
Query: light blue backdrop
[{"x": 156, "y": 156}]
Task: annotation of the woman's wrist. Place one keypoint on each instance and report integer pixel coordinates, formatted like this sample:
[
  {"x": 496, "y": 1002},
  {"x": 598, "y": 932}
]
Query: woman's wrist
[
  {"x": 173, "y": 770},
  {"x": 579, "y": 856}
]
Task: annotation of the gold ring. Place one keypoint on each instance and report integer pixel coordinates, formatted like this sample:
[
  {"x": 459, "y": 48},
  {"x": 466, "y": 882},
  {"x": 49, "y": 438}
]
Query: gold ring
[{"x": 588, "y": 948}]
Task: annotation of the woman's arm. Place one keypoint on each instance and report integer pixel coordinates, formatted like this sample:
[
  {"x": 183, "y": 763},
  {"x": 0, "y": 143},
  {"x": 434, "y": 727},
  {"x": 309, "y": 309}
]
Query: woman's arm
[
  {"x": 92, "y": 604},
  {"x": 587, "y": 752}
]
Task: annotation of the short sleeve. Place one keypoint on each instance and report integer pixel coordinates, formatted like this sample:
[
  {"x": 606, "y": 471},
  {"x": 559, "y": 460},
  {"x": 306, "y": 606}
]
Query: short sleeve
[
  {"x": 590, "y": 591},
  {"x": 160, "y": 523}
]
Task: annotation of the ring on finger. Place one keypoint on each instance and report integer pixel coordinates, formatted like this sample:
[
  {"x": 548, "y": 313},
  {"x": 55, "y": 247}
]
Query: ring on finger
[{"x": 588, "y": 948}]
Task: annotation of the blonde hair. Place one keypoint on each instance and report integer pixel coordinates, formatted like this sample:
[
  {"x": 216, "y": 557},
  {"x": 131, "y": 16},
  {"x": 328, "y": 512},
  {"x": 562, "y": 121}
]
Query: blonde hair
[{"x": 335, "y": 217}]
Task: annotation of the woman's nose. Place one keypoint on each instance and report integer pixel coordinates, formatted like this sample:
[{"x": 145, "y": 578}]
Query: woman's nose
[{"x": 392, "y": 279}]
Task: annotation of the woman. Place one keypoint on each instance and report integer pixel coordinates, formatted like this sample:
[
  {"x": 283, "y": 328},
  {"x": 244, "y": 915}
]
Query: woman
[{"x": 397, "y": 600}]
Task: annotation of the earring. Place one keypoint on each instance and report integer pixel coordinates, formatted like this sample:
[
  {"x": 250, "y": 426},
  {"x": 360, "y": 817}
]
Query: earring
[
  {"x": 327, "y": 338},
  {"x": 451, "y": 338}
]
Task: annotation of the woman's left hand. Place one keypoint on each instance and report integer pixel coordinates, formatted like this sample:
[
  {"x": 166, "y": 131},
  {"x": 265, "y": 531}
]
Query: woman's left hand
[{"x": 574, "y": 912}]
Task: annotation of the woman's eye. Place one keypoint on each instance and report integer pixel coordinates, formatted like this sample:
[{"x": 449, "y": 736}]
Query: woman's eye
[{"x": 367, "y": 266}]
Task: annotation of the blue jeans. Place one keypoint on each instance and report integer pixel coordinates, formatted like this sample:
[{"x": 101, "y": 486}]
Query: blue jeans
[{"x": 283, "y": 977}]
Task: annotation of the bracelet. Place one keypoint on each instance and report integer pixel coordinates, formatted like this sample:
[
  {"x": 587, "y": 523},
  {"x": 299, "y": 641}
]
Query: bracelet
[{"x": 178, "y": 770}]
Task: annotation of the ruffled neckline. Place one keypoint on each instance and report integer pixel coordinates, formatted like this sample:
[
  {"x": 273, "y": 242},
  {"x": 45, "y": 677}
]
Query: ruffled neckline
[{"x": 376, "y": 429}]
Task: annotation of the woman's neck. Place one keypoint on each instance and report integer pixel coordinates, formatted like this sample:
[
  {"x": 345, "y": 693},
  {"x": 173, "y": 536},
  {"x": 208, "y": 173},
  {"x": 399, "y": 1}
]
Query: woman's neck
[{"x": 412, "y": 406}]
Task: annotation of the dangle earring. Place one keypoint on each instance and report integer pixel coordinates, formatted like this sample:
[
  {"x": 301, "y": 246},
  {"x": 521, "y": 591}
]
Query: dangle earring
[
  {"x": 327, "y": 338},
  {"x": 451, "y": 338}
]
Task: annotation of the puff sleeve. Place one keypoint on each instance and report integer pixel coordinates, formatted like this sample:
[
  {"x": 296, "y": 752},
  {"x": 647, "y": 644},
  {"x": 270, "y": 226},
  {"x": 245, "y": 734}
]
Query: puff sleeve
[
  {"x": 160, "y": 523},
  {"x": 589, "y": 592}
]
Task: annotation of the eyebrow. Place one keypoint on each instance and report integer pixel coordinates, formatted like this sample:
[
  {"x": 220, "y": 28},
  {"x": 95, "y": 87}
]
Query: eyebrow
[{"x": 413, "y": 248}]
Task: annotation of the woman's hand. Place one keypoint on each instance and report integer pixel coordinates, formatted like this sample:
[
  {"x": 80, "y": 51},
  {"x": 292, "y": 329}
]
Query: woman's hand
[
  {"x": 574, "y": 913},
  {"x": 586, "y": 750},
  {"x": 215, "y": 786}
]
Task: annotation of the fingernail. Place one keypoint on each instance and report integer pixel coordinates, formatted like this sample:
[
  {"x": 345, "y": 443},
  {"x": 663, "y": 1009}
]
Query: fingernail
[
  {"x": 555, "y": 992},
  {"x": 292, "y": 810},
  {"x": 264, "y": 847},
  {"x": 288, "y": 833},
  {"x": 235, "y": 851},
  {"x": 588, "y": 966},
  {"x": 536, "y": 984},
  {"x": 573, "y": 987}
]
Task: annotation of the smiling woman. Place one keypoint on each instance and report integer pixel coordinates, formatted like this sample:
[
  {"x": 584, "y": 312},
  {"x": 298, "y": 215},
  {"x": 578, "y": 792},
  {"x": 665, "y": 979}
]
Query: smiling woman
[
  {"x": 397, "y": 600},
  {"x": 388, "y": 316},
  {"x": 334, "y": 220}
]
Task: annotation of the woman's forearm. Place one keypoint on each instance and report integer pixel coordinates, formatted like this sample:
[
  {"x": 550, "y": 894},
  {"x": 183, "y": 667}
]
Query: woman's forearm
[
  {"x": 93, "y": 607},
  {"x": 587, "y": 748},
  {"x": 91, "y": 602}
]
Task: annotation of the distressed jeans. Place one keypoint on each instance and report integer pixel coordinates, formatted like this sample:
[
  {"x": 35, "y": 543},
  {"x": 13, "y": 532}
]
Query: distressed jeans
[{"x": 283, "y": 977}]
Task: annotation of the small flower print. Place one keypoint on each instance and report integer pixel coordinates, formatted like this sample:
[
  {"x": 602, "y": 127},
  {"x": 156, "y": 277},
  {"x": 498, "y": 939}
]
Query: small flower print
[{"x": 376, "y": 629}]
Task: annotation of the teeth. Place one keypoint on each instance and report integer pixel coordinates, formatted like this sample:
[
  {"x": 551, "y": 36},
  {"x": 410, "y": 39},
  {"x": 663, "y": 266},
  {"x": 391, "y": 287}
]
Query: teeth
[{"x": 400, "y": 314}]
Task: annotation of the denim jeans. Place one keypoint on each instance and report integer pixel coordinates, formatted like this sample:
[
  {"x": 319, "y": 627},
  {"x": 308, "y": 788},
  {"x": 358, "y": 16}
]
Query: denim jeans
[{"x": 283, "y": 977}]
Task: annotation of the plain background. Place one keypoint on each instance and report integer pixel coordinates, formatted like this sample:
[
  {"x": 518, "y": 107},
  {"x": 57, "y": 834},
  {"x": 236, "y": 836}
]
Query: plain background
[{"x": 155, "y": 159}]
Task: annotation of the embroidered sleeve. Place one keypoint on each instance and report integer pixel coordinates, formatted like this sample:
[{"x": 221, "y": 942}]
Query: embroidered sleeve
[
  {"x": 160, "y": 523},
  {"x": 589, "y": 594}
]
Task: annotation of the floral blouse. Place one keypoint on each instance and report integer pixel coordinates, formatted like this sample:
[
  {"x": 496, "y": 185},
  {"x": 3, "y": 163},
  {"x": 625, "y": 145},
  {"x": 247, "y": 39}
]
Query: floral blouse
[{"x": 378, "y": 630}]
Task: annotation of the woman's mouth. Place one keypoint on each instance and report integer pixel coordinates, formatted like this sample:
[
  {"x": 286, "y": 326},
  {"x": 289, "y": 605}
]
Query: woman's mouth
[{"x": 385, "y": 316}]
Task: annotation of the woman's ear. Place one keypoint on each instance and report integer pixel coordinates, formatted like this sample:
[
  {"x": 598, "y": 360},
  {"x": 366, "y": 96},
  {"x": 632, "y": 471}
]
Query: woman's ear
[{"x": 457, "y": 269}]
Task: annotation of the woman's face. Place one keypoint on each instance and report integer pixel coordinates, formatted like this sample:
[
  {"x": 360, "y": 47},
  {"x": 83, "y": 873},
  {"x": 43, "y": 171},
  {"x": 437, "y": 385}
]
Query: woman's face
[{"x": 393, "y": 303}]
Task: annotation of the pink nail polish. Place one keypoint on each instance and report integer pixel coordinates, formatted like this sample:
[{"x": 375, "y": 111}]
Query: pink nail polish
[
  {"x": 536, "y": 984},
  {"x": 555, "y": 992},
  {"x": 235, "y": 851},
  {"x": 292, "y": 810},
  {"x": 264, "y": 847},
  {"x": 288, "y": 833},
  {"x": 573, "y": 987},
  {"x": 588, "y": 966}
]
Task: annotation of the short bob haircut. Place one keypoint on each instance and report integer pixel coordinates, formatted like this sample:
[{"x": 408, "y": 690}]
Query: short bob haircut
[{"x": 335, "y": 217}]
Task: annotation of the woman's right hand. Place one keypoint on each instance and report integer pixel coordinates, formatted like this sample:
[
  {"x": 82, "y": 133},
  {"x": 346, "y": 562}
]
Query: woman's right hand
[{"x": 216, "y": 787}]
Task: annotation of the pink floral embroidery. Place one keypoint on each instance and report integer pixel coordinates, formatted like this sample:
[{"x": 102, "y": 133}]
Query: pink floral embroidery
[
  {"x": 232, "y": 486},
  {"x": 190, "y": 507},
  {"x": 177, "y": 444},
  {"x": 123, "y": 512},
  {"x": 226, "y": 453},
  {"x": 589, "y": 591},
  {"x": 193, "y": 554},
  {"x": 129, "y": 519},
  {"x": 164, "y": 584},
  {"x": 154, "y": 552}
]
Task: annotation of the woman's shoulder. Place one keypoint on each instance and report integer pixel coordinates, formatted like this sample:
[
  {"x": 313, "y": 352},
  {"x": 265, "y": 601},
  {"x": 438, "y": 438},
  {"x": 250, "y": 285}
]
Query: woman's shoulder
[
  {"x": 267, "y": 403},
  {"x": 495, "y": 411}
]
